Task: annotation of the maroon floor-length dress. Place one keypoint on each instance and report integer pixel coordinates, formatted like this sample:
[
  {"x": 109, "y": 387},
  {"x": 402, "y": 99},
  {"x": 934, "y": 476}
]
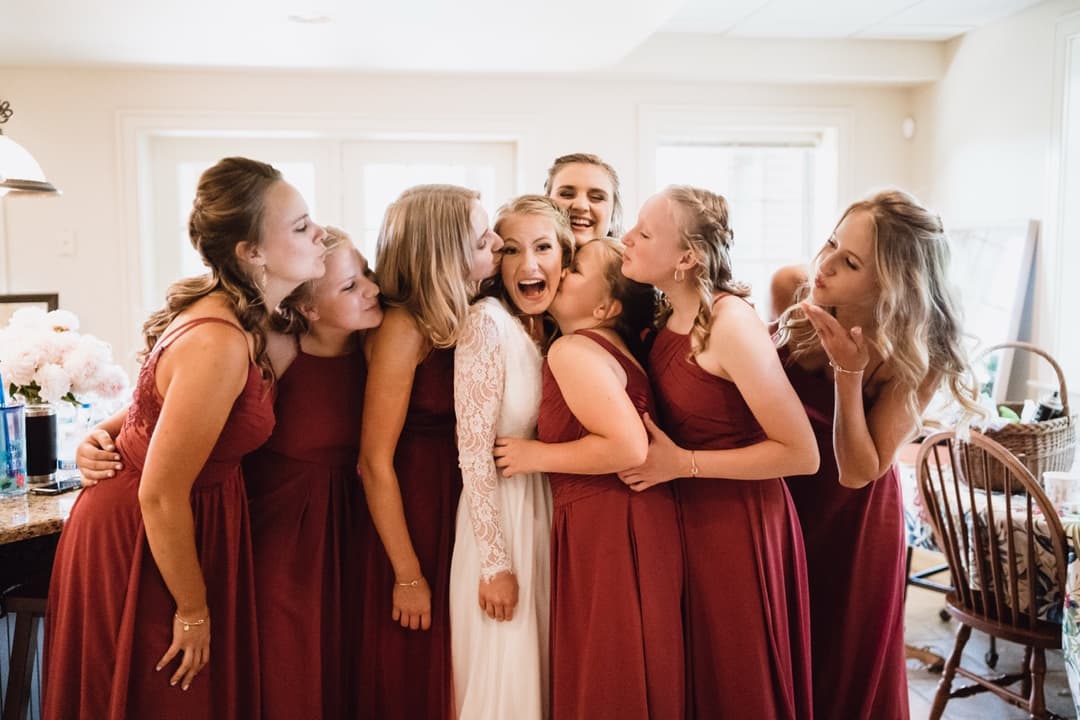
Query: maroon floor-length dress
[
  {"x": 405, "y": 674},
  {"x": 855, "y": 552},
  {"x": 309, "y": 526},
  {"x": 746, "y": 613},
  {"x": 110, "y": 615},
  {"x": 616, "y": 580}
]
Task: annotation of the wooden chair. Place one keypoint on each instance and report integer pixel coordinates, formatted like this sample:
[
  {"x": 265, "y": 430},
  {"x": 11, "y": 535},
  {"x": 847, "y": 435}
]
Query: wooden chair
[
  {"x": 991, "y": 548},
  {"x": 27, "y": 604}
]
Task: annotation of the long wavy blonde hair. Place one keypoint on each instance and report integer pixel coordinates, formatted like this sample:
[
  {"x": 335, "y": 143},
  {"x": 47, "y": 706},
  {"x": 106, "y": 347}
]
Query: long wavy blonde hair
[
  {"x": 917, "y": 320},
  {"x": 228, "y": 210},
  {"x": 590, "y": 159},
  {"x": 702, "y": 219},
  {"x": 424, "y": 256}
]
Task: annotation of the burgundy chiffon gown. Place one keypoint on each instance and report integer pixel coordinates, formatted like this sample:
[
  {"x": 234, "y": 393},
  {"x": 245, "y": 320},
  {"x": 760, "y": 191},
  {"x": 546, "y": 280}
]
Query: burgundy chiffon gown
[
  {"x": 747, "y": 615},
  {"x": 855, "y": 552},
  {"x": 616, "y": 580},
  {"x": 309, "y": 525},
  {"x": 405, "y": 674},
  {"x": 110, "y": 615}
]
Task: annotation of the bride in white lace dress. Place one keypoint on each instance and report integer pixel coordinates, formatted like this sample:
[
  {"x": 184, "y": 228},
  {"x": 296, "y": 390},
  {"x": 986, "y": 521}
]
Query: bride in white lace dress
[{"x": 499, "y": 577}]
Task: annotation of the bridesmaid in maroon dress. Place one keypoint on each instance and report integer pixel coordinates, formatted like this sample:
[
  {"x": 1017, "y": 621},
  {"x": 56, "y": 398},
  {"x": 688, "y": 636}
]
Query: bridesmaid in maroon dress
[
  {"x": 153, "y": 558},
  {"x": 735, "y": 426},
  {"x": 309, "y": 521},
  {"x": 866, "y": 295},
  {"x": 434, "y": 246},
  {"x": 616, "y": 570}
]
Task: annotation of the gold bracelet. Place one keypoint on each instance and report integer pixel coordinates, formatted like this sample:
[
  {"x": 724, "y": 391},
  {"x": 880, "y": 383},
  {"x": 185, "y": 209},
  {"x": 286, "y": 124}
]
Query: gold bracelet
[
  {"x": 693, "y": 465},
  {"x": 188, "y": 624},
  {"x": 837, "y": 368},
  {"x": 411, "y": 583}
]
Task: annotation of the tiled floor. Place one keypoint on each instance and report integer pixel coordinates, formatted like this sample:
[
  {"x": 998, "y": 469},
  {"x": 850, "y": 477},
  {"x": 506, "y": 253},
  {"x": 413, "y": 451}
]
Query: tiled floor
[{"x": 923, "y": 628}]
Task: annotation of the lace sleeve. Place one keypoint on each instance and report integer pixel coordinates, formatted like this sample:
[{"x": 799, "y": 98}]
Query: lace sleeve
[{"x": 478, "y": 389}]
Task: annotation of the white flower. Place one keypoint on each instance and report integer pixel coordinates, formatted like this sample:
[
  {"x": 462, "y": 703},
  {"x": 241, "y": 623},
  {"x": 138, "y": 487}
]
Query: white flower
[
  {"x": 18, "y": 368},
  {"x": 28, "y": 317},
  {"x": 46, "y": 349},
  {"x": 111, "y": 382},
  {"x": 85, "y": 361},
  {"x": 53, "y": 381},
  {"x": 62, "y": 320},
  {"x": 57, "y": 345}
]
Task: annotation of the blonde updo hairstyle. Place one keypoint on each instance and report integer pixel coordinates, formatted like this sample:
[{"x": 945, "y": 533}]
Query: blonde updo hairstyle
[
  {"x": 702, "y": 219},
  {"x": 227, "y": 210}
]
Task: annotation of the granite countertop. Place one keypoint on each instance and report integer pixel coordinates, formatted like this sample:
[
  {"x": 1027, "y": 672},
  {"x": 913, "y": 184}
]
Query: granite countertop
[{"x": 30, "y": 515}]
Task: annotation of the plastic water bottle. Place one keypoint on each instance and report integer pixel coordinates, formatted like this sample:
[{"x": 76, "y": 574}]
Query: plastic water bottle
[{"x": 1050, "y": 407}]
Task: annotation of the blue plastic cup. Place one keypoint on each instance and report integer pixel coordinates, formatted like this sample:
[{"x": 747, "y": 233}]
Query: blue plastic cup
[{"x": 12, "y": 450}]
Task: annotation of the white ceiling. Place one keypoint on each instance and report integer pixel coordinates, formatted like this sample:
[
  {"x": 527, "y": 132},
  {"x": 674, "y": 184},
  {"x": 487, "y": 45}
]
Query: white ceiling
[
  {"x": 874, "y": 19},
  {"x": 442, "y": 35}
]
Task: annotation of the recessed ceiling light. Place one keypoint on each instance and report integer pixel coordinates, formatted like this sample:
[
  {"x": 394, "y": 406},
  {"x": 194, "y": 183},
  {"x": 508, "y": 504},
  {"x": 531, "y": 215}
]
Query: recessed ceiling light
[{"x": 310, "y": 18}]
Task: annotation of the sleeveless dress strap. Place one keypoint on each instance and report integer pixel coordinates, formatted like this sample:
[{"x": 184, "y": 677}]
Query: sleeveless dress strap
[
  {"x": 627, "y": 364},
  {"x": 167, "y": 339},
  {"x": 725, "y": 293},
  {"x": 870, "y": 377}
]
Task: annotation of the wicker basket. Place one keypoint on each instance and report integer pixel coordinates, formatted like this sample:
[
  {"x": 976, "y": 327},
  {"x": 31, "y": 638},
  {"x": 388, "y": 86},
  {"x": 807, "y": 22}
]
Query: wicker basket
[{"x": 1040, "y": 446}]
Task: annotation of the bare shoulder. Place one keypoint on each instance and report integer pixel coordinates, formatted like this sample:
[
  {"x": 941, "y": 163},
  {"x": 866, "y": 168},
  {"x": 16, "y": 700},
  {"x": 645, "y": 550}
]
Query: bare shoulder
[
  {"x": 782, "y": 287},
  {"x": 570, "y": 349},
  {"x": 730, "y": 309},
  {"x": 789, "y": 278},
  {"x": 223, "y": 346},
  {"x": 399, "y": 334}
]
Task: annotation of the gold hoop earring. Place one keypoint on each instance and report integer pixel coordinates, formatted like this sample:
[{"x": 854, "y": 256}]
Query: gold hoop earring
[
  {"x": 261, "y": 280},
  {"x": 680, "y": 275}
]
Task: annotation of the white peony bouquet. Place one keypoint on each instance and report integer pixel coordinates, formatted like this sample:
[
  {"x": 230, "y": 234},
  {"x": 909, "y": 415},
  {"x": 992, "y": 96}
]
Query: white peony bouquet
[{"x": 44, "y": 358}]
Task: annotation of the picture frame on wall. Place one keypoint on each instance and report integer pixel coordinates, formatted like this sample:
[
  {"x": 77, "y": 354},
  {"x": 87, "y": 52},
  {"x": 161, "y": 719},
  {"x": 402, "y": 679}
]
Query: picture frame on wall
[{"x": 10, "y": 303}]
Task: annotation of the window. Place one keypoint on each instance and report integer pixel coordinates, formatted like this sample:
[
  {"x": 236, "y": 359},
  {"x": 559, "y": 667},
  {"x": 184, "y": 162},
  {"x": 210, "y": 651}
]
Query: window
[
  {"x": 377, "y": 172},
  {"x": 345, "y": 183},
  {"x": 781, "y": 190}
]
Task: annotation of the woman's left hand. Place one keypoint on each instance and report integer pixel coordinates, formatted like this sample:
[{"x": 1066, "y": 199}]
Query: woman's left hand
[
  {"x": 846, "y": 349},
  {"x": 191, "y": 643},
  {"x": 663, "y": 463},
  {"x": 514, "y": 456}
]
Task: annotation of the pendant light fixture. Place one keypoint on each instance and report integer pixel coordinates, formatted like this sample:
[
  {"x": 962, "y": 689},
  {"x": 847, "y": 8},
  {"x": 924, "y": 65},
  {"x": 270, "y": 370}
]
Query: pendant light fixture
[{"x": 19, "y": 172}]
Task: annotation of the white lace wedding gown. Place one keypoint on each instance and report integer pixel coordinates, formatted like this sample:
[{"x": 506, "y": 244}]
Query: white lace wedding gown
[{"x": 500, "y": 668}]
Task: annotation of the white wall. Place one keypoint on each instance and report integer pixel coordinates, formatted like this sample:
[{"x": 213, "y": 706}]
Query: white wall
[
  {"x": 71, "y": 119},
  {"x": 986, "y": 149}
]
